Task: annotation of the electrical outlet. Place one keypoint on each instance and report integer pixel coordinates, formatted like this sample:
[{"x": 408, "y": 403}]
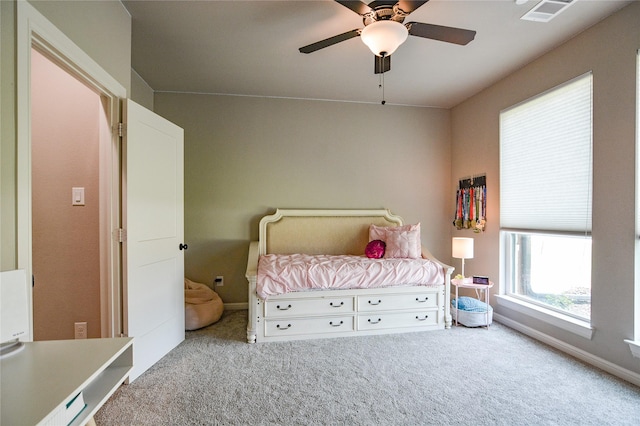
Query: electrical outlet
[
  {"x": 81, "y": 330},
  {"x": 219, "y": 281}
]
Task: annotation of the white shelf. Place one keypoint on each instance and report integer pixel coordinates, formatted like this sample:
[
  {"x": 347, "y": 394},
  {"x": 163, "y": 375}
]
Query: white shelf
[{"x": 41, "y": 379}]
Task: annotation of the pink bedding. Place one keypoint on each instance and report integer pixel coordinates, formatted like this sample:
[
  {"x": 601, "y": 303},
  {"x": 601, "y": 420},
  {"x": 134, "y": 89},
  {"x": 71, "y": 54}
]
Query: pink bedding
[{"x": 279, "y": 274}]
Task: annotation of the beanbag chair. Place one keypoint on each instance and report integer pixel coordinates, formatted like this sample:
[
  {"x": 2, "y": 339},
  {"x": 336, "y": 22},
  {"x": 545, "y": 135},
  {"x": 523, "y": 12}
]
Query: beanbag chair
[{"x": 202, "y": 306}]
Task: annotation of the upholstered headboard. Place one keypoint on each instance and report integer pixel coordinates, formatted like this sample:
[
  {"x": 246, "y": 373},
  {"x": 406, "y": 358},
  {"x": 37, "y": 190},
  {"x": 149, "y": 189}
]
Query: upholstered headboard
[{"x": 321, "y": 231}]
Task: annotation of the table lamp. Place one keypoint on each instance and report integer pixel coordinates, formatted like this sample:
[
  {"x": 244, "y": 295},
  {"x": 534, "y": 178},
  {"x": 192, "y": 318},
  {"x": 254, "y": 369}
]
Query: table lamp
[{"x": 462, "y": 248}]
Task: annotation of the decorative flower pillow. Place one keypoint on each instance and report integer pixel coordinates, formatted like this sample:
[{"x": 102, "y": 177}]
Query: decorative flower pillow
[
  {"x": 375, "y": 249},
  {"x": 401, "y": 241}
]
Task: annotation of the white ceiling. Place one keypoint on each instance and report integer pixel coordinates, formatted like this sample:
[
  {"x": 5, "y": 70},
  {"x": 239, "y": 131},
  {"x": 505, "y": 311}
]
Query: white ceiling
[{"x": 251, "y": 48}]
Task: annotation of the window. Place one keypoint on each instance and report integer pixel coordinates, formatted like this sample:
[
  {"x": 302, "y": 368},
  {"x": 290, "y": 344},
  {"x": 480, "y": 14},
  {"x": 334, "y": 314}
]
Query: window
[
  {"x": 637, "y": 283},
  {"x": 634, "y": 344},
  {"x": 545, "y": 198}
]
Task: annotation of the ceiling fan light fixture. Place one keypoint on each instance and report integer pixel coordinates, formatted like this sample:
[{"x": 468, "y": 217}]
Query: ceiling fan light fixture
[{"x": 384, "y": 37}]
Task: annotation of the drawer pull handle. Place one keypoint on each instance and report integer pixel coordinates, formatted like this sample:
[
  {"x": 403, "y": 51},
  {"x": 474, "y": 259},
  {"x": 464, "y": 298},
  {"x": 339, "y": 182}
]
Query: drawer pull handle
[
  {"x": 374, "y": 321},
  {"x": 422, "y": 301},
  {"x": 283, "y": 328},
  {"x": 336, "y": 305},
  {"x": 374, "y": 303},
  {"x": 335, "y": 325},
  {"x": 283, "y": 309},
  {"x": 422, "y": 319}
]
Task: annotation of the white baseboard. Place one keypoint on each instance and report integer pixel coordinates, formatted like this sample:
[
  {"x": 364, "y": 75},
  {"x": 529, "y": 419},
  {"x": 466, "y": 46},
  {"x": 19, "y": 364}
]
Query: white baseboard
[
  {"x": 609, "y": 367},
  {"x": 236, "y": 306}
]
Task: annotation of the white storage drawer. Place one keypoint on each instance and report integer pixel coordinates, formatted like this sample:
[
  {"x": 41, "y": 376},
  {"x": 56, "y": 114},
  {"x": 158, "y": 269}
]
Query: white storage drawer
[
  {"x": 314, "y": 306},
  {"x": 391, "y": 320},
  {"x": 297, "y": 326},
  {"x": 426, "y": 299}
]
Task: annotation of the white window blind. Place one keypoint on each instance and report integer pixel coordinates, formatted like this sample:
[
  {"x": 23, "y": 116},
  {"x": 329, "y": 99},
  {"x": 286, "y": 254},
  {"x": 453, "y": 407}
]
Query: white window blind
[{"x": 546, "y": 161}]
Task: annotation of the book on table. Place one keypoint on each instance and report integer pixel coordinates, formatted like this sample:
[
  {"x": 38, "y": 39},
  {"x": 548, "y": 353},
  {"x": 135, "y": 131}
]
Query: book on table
[{"x": 74, "y": 408}]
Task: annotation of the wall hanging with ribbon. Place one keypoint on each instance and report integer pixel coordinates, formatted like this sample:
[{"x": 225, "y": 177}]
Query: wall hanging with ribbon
[{"x": 471, "y": 203}]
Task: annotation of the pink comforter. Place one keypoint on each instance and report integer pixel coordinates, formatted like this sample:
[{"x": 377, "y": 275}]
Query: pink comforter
[{"x": 278, "y": 274}]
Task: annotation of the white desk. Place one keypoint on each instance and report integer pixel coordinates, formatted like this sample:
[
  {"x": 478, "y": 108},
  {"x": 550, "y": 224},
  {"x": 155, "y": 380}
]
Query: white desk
[
  {"x": 41, "y": 379},
  {"x": 458, "y": 283}
]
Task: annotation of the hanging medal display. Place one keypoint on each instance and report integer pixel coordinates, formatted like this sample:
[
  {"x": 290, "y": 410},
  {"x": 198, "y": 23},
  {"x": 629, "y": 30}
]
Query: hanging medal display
[{"x": 471, "y": 204}]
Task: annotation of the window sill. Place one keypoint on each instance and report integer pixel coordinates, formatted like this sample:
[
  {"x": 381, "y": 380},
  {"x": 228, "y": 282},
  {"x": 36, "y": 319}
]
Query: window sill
[
  {"x": 634, "y": 345},
  {"x": 565, "y": 322}
]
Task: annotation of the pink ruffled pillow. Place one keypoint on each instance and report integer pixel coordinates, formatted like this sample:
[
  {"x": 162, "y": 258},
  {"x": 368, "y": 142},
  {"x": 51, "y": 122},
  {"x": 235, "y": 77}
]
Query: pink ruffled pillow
[
  {"x": 401, "y": 241},
  {"x": 403, "y": 245},
  {"x": 375, "y": 249}
]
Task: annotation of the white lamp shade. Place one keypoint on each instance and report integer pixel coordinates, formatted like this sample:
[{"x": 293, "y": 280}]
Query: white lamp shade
[
  {"x": 384, "y": 37},
  {"x": 462, "y": 248}
]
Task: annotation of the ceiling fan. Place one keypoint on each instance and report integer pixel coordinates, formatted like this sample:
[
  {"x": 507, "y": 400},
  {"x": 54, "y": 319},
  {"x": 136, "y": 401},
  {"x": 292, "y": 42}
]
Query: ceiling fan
[{"x": 384, "y": 29}]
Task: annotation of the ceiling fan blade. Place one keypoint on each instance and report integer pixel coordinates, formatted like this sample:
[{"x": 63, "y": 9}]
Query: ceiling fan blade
[
  {"x": 409, "y": 6},
  {"x": 381, "y": 64},
  {"x": 438, "y": 32},
  {"x": 377, "y": 3},
  {"x": 357, "y": 6},
  {"x": 330, "y": 41}
]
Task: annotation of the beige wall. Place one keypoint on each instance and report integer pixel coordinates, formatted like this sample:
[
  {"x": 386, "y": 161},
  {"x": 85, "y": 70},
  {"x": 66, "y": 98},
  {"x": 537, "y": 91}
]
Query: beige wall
[
  {"x": 141, "y": 92},
  {"x": 245, "y": 156},
  {"x": 66, "y": 243},
  {"x": 8, "y": 255},
  {"x": 609, "y": 50}
]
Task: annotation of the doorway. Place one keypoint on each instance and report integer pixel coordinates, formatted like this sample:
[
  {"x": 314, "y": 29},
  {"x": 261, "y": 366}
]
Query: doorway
[
  {"x": 150, "y": 305},
  {"x": 34, "y": 31},
  {"x": 67, "y": 143}
]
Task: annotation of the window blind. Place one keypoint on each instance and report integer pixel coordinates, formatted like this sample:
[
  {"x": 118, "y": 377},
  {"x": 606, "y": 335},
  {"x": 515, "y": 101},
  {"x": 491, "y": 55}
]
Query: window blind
[{"x": 546, "y": 160}]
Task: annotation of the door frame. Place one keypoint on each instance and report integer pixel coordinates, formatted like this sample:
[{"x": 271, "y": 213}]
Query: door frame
[{"x": 33, "y": 30}]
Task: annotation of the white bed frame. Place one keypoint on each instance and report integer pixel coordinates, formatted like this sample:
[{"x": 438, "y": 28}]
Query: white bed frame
[{"x": 334, "y": 313}]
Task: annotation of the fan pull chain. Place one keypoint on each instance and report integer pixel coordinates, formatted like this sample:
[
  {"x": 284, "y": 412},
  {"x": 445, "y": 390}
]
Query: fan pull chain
[
  {"x": 383, "y": 101},
  {"x": 381, "y": 80}
]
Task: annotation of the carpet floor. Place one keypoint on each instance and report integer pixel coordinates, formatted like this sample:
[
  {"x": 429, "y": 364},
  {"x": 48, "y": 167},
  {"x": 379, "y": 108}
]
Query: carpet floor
[{"x": 462, "y": 376}]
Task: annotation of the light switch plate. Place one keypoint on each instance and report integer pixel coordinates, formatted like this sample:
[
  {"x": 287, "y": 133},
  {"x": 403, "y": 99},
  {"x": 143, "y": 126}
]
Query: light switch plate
[{"x": 77, "y": 196}]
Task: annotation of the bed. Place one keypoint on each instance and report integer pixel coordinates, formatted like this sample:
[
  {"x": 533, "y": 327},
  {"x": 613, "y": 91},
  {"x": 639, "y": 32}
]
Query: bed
[{"x": 281, "y": 312}]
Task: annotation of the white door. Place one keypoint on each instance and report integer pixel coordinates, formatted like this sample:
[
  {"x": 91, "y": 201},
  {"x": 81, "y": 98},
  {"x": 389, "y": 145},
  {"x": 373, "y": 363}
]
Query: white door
[{"x": 153, "y": 220}]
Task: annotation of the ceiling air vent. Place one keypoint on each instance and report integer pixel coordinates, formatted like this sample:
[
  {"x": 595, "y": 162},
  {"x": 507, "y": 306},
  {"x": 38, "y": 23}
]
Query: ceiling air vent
[{"x": 547, "y": 10}]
